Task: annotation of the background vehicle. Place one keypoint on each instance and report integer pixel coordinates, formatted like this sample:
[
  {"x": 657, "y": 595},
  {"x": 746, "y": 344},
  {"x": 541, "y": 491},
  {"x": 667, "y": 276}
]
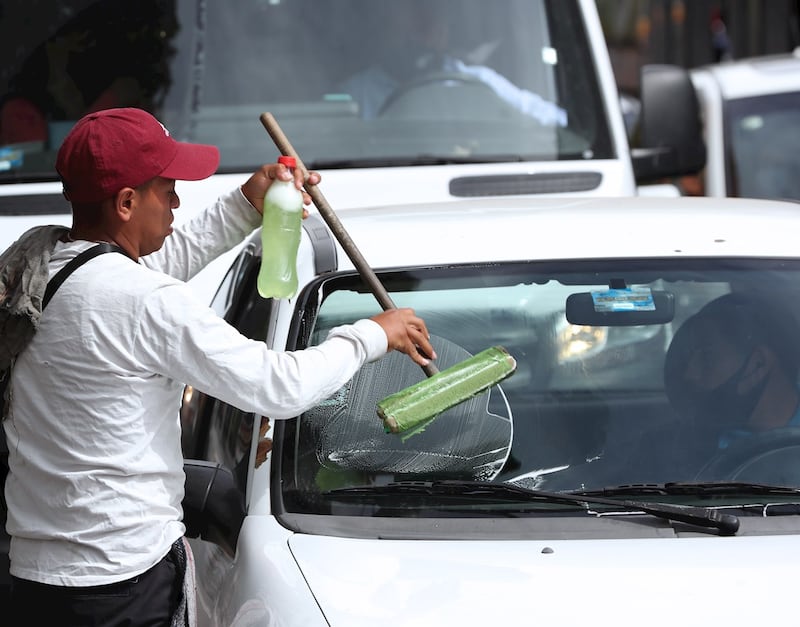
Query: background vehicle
[
  {"x": 526, "y": 104},
  {"x": 347, "y": 525},
  {"x": 751, "y": 111}
]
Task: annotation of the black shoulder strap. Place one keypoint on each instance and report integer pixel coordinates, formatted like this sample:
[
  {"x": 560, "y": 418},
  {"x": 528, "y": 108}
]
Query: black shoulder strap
[
  {"x": 77, "y": 262},
  {"x": 52, "y": 286}
]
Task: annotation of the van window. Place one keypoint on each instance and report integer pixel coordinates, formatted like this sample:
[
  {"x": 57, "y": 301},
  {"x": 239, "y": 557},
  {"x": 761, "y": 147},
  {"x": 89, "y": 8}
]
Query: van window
[{"x": 761, "y": 157}]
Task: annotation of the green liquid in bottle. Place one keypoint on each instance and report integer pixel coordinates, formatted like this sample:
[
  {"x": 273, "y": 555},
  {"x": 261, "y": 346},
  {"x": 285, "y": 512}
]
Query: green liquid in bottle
[{"x": 280, "y": 238}]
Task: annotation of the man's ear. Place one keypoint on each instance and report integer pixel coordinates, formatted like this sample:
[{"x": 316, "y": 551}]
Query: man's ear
[
  {"x": 759, "y": 364},
  {"x": 124, "y": 202}
]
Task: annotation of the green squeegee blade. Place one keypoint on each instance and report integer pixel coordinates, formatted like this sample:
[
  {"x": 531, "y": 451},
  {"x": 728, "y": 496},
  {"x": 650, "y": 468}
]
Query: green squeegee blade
[{"x": 415, "y": 406}]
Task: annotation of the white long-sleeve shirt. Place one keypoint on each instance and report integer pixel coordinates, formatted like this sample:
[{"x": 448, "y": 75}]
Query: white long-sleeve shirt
[{"x": 96, "y": 470}]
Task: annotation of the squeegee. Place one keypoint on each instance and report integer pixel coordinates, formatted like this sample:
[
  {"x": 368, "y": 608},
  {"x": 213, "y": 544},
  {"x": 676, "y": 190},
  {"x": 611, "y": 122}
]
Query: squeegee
[{"x": 410, "y": 410}]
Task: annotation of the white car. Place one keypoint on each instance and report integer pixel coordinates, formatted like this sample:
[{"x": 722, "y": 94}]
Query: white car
[
  {"x": 577, "y": 490},
  {"x": 751, "y": 111}
]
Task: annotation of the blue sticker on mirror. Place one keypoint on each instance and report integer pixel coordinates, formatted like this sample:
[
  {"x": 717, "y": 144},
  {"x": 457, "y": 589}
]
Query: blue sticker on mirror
[{"x": 636, "y": 298}]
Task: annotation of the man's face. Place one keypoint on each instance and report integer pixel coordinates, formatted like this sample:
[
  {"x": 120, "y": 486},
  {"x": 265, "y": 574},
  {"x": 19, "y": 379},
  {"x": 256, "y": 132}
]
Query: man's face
[
  {"x": 152, "y": 216},
  {"x": 714, "y": 360},
  {"x": 724, "y": 380}
]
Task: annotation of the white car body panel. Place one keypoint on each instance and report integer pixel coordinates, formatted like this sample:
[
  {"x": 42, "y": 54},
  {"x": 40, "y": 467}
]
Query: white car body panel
[
  {"x": 505, "y": 583},
  {"x": 280, "y": 578},
  {"x": 518, "y": 228},
  {"x": 755, "y": 76}
]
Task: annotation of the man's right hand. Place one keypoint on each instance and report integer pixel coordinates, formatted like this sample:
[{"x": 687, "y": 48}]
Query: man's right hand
[
  {"x": 406, "y": 332},
  {"x": 256, "y": 186}
]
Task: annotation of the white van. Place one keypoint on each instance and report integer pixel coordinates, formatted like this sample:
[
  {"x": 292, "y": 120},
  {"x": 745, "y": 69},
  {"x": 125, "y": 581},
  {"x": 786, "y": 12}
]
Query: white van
[
  {"x": 411, "y": 101},
  {"x": 751, "y": 112}
]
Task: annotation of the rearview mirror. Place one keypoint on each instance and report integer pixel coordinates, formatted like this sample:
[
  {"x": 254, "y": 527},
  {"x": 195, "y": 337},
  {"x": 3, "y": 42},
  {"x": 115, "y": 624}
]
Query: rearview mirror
[{"x": 620, "y": 308}]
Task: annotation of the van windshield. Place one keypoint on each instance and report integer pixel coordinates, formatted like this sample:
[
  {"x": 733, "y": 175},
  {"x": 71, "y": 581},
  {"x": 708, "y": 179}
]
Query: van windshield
[{"x": 358, "y": 83}]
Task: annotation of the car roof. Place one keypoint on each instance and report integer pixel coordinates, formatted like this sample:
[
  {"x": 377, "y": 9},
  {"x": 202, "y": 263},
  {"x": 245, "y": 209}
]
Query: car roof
[
  {"x": 506, "y": 229},
  {"x": 756, "y": 76}
]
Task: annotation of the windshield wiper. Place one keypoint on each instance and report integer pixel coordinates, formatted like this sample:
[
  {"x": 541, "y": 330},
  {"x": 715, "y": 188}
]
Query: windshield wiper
[
  {"x": 694, "y": 488},
  {"x": 726, "y": 524},
  {"x": 729, "y": 488}
]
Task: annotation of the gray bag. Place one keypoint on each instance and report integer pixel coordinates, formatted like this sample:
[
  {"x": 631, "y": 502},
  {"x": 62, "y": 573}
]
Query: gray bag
[{"x": 23, "y": 280}]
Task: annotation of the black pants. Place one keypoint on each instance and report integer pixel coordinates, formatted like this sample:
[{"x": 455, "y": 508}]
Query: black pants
[{"x": 149, "y": 600}]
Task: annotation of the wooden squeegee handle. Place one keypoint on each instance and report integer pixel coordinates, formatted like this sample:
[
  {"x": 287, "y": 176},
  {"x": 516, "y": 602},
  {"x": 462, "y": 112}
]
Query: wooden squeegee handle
[{"x": 332, "y": 220}]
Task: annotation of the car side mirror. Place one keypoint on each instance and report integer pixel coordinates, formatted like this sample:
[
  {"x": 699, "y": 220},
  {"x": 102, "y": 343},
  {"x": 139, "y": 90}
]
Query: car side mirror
[{"x": 669, "y": 139}]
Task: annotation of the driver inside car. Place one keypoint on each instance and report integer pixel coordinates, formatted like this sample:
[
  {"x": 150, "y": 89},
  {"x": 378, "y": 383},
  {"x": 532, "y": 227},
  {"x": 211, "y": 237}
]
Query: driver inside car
[
  {"x": 413, "y": 41},
  {"x": 732, "y": 370}
]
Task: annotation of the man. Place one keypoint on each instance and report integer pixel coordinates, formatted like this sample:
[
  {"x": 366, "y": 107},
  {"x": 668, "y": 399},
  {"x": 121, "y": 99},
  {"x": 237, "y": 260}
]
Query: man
[
  {"x": 733, "y": 368},
  {"x": 413, "y": 42},
  {"x": 96, "y": 471}
]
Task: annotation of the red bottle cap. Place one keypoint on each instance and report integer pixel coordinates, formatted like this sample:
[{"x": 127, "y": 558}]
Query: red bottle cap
[{"x": 289, "y": 162}]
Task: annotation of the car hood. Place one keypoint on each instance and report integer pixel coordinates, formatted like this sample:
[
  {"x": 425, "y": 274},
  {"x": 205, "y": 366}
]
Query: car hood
[{"x": 732, "y": 581}]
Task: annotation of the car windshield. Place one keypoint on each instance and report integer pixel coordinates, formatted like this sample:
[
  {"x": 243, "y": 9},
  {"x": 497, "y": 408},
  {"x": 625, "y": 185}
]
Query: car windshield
[
  {"x": 357, "y": 82},
  {"x": 764, "y": 132},
  {"x": 620, "y": 383}
]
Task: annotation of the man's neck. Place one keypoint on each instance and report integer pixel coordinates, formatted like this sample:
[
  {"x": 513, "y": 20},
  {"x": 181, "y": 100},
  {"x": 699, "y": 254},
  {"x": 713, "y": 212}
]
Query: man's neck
[{"x": 100, "y": 235}]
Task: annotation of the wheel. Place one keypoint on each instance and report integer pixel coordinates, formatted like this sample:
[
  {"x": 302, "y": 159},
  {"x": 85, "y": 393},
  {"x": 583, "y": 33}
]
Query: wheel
[
  {"x": 772, "y": 458},
  {"x": 452, "y": 91}
]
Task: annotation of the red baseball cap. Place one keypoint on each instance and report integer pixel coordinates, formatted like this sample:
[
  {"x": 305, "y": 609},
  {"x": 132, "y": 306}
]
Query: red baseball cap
[{"x": 116, "y": 148}]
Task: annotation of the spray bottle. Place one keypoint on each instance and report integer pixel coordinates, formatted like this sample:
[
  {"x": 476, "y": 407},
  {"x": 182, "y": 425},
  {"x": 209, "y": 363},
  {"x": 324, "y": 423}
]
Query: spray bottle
[{"x": 280, "y": 237}]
